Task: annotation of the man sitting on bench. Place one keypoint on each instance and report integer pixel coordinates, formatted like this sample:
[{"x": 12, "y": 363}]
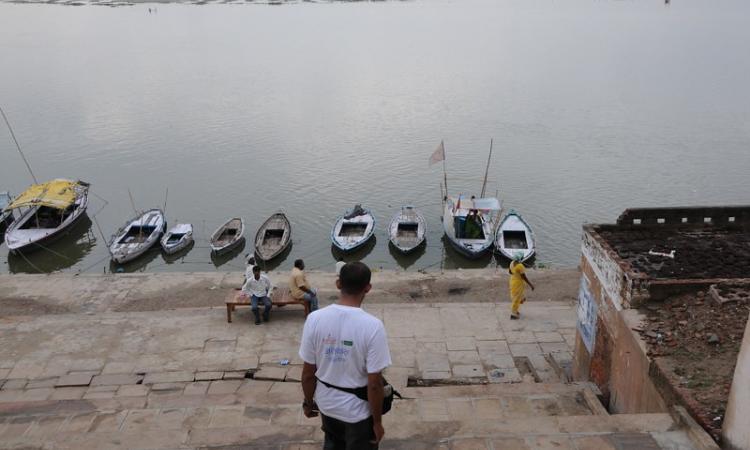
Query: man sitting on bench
[
  {"x": 299, "y": 287},
  {"x": 258, "y": 288}
]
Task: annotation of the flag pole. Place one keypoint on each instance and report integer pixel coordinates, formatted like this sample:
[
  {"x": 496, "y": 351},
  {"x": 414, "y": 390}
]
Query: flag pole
[
  {"x": 486, "y": 170},
  {"x": 445, "y": 170}
]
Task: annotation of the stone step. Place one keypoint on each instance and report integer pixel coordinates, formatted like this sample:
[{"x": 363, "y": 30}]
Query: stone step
[
  {"x": 274, "y": 429},
  {"x": 268, "y": 415},
  {"x": 572, "y": 397}
]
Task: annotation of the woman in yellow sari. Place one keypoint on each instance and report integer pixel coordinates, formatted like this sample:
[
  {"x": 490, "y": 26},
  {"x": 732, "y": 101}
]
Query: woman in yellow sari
[{"x": 518, "y": 282}]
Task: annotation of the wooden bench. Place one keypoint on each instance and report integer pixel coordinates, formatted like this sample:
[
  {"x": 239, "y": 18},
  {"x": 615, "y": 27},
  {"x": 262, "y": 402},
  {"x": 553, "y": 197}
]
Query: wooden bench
[{"x": 279, "y": 298}]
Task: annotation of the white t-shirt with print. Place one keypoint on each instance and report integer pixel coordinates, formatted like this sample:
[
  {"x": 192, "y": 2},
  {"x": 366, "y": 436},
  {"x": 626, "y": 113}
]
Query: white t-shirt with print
[{"x": 345, "y": 343}]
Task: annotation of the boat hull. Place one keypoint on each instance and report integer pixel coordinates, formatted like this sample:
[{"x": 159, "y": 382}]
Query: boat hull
[
  {"x": 6, "y": 217},
  {"x": 514, "y": 236},
  {"x": 469, "y": 248},
  {"x": 5, "y": 221},
  {"x": 279, "y": 223},
  {"x": 187, "y": 238},
  {"x": 227, "y": 248},
  {"x": 124, "y": 252},
  {"x": 346, "y": 244},
  {"x": 220, "y": 249},
  {"x": 473, "y": 252},
  {"x": 411, "y": 217}
]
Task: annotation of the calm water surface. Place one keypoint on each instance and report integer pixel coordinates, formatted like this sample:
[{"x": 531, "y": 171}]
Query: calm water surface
[{"x": 595, "y": 106}]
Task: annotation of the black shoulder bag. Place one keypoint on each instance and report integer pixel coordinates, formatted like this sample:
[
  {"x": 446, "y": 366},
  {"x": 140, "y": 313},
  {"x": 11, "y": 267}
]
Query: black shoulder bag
[{"x": 361, "y": 392}]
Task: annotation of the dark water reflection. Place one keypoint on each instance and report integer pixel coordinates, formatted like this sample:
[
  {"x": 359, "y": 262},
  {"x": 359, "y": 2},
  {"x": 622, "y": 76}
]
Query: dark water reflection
[
  {"x": 406, "y": 260},
  {"x": 63, "y": 253},
  {"x": 139, "y": 264},
  {"x": 224, "y": 258},
  {"x": 356, "y": 255},
  {"x": 277, "y": 262},
  {"x": 179, "y": 256}
]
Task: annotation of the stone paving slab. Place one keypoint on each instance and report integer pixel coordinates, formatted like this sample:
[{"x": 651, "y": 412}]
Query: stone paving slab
[{"x": 178, "y": 346}]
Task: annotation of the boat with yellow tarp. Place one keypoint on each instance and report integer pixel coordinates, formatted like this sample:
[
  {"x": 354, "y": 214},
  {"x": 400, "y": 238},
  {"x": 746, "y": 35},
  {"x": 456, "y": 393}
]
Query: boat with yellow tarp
[{"x": 45, "y": 212}]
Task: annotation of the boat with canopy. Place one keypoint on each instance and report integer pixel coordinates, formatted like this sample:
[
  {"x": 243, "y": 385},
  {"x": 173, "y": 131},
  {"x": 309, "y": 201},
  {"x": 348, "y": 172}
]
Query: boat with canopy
[
  {"x": 46, "y": 211},
  {"x": 469, "y": 224}
]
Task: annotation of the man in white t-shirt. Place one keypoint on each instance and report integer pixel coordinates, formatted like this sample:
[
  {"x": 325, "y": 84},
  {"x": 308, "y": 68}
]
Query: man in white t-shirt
[
  {"x": 343, "y": 346},
  {"x": 339, "y": 264},
  {"x": 258, "y": 287}
]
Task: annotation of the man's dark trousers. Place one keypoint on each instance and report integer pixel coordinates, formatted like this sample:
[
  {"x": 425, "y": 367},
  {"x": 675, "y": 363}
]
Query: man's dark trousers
[{"x": 341, "y": 435}]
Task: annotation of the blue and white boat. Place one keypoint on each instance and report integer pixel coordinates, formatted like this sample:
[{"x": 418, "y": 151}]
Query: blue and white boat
[
  {"x": 514, "y": 237},
  {"x": 137, "y": 236},
  {"x": 353, "y": 229}
]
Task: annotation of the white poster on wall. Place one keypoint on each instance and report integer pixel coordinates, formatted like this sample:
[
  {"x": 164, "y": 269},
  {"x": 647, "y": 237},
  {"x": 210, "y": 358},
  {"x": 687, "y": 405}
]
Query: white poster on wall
[{"x": 586, "y": 314}]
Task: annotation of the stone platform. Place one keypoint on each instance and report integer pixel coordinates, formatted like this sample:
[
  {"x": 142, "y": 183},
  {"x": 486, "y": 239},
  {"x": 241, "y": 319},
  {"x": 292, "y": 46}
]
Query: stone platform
[{"x": 94, "y": 364}]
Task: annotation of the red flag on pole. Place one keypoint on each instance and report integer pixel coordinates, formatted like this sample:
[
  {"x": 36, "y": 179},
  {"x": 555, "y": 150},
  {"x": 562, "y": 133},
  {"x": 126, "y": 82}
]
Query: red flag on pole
[{"x": 438, "y": 155}]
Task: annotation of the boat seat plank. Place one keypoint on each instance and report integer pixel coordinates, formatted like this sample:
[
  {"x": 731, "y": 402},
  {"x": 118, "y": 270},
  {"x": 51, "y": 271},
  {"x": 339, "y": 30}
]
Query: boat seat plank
[{"x": 280, "y": 297}]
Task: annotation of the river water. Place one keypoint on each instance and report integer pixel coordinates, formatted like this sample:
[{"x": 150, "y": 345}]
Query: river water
[{"x": 240, "y": 110}]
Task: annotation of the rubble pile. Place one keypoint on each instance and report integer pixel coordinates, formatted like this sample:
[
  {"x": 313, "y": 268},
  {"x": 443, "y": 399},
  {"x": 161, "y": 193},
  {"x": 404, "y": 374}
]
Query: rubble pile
[{"x": 700, "y": 336}]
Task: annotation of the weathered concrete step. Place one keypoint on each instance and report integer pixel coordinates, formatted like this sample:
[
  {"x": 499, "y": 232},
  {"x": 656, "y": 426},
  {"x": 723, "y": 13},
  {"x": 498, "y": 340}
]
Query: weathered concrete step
[
  {"x": 266, "y": 414},
  {"x": 491, "y": 389},
  {"x": 524, "y": 399},
  {"x": 269, "y": 429}
]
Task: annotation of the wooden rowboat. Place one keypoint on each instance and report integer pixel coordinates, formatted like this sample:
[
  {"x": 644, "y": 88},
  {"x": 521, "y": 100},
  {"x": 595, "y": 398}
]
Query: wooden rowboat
[
  {"x": 273, "y": 237},
  {"x": 137, "y": 236},
  {"x": 407, "y": 229},
  {"x": 353, "y": 229},
  {"x": 179, "y": 237},
  {"x": 227, "y": 236},
  {"x": 514, "y": 237}
]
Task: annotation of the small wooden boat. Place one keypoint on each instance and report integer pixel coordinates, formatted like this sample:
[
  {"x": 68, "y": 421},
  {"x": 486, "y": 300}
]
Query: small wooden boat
[
  {"x": 353, "y": 229},
  {"x": 469, "y": 224},
  {"x": 514, "y": 237},
  {"x": 6, "y": 216},
  {"x": 177, "y": 238},
  {"x": 137, "y": 236},
  {"x": 273, "y": 237},
  {"x": 227, "y": 236},
  {"x": 47, "y": 211},
  {"x": 407, "y": 229}
]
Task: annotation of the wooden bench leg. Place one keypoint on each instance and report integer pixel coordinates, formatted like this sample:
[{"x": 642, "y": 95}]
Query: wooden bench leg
[
  {"x": 230, "y": 308},
  {"x": 307, "y": 308}
]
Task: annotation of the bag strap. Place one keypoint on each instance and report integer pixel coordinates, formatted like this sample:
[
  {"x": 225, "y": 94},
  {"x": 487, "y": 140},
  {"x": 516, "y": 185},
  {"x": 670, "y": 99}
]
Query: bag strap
[{"x": 360, "y": 392}]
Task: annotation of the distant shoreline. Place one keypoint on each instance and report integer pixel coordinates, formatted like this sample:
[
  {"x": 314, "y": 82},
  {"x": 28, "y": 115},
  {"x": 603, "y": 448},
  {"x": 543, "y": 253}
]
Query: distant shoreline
[{"x": 115, "y": 3}]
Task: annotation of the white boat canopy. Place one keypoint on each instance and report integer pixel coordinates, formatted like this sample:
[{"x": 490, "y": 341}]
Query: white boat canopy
[{"x": 487, "y": 203}]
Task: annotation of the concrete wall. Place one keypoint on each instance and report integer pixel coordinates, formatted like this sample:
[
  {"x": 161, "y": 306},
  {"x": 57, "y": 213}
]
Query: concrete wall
[
  {"x": 698, "y": 215},
  {"x": 617, "y": 362},
  {"x": 735, "y": 432}
]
